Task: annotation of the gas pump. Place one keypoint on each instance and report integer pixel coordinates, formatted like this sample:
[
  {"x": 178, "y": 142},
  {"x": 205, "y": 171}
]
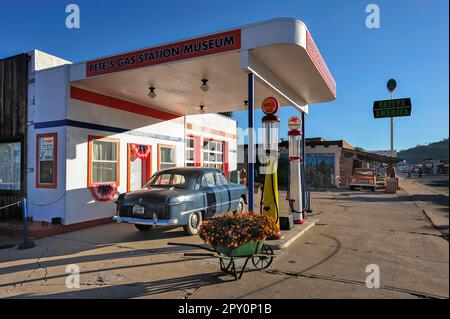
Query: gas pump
[
  {"x": 295, "y": 158},
  {"x": 270, "y": 203}
]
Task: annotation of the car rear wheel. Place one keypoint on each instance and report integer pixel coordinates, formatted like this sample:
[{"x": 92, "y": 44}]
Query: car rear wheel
[
  {"x": 194, "y": 222},
  {"x": 142, "y": 227}
]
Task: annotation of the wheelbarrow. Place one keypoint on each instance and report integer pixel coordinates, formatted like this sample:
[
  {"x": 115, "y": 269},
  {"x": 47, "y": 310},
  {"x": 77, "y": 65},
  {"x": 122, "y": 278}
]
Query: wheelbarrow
[{"x": 260, "y": 253}]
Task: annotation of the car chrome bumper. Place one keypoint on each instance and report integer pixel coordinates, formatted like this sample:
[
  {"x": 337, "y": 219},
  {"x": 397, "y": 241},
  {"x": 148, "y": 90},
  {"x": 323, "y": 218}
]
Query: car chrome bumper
[
  {"x": 143, "y": 221},
  {"x": 362, "y": 185}
]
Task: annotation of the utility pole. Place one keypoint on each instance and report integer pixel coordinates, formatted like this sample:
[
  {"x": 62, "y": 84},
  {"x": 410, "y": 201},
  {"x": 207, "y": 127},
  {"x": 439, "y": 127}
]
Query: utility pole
[
  {"x": 392, "y": 130},
  {"x": 391, "y": 85}
]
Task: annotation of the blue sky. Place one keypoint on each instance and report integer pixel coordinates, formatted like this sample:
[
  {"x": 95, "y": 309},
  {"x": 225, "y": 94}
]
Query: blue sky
[{"x": 411, "y": 46}]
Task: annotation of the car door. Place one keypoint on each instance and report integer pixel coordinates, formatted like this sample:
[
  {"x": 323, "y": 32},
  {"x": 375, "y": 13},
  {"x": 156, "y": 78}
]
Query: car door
[
  {"x": 211, "y": 194},
  {"x": 222, "y": 186}
]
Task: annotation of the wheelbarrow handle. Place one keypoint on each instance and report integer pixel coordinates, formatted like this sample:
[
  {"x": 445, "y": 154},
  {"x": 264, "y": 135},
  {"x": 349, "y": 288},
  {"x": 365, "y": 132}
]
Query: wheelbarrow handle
[
  {"x": 191, "y": 245},
  {"x": 199, "y": 255}
]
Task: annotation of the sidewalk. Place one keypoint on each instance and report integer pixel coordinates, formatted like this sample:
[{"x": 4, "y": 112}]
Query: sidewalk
[{"x": 433, "y": 203}]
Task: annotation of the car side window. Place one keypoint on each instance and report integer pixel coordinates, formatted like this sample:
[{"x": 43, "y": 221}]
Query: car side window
[
  {"x": 220, "y": 179},
  {"x": 208, "y": 180}
]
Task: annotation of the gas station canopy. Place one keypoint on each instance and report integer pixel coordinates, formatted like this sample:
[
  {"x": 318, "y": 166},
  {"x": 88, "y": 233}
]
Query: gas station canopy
[{"x": 280, "y": 53}]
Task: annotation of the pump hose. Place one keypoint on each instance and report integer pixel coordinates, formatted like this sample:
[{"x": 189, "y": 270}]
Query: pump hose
[
  {"x": 261, "y": 202},
  {"x": 289, "y": 192},
  {"x": 273, "y": 193}
]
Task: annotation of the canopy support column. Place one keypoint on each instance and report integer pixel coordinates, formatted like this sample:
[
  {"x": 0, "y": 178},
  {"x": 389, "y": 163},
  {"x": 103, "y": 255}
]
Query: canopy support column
[
  {"x": 303, "y": 165},
  {"x": 251, "y": 143}
]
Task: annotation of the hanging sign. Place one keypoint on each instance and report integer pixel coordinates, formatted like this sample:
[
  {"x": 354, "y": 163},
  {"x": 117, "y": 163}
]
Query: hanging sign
[
  {"x": 294, "y": 122},
  {"x": 211, "y": 44},
  {"x": 270, "y": 105},
  {"x": 392, "y": 108}
]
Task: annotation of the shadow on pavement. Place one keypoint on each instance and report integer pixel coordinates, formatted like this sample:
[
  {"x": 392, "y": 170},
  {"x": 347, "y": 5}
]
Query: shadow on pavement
[
  {"x": 183, "y": 284},
  {"x": 436, "y": 199},
  {"x": 95, "y": 238},
  {"x": 94, "y": 258}
]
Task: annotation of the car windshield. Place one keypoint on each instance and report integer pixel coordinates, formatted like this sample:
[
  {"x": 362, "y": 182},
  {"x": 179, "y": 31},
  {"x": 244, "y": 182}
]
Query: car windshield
[
  {"x": 167, "y": 180},
  {"x": 363, "y": 172}
]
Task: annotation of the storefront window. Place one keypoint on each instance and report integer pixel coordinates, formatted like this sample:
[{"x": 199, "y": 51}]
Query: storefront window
[
  {"x": 320, "y": 169},
  {"x": 10, "y": 157},
  {"x": 166, "y": 156},
  {"x": 213, "y": 154},
  {"x": 104, "y": 161},
  {"x": 46, "y": 160}
]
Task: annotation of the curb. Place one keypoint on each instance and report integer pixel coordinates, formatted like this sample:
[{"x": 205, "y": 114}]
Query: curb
[{"x": 289, "y": 239}]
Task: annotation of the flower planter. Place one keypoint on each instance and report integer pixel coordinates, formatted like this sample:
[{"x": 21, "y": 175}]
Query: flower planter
[{"x": 244, "y": 250}]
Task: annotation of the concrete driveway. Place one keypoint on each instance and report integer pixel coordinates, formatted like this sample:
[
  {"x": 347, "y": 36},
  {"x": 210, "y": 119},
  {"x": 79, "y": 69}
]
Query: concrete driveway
[{"x": 356, "y": 229}]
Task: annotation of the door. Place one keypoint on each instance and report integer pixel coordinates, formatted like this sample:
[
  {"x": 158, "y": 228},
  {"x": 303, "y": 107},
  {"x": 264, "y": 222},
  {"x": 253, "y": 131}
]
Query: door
[
  {"x": 222, "y": 186},
  {"x": 139, "y": 166},
  {"x": 212, "y": 195}
]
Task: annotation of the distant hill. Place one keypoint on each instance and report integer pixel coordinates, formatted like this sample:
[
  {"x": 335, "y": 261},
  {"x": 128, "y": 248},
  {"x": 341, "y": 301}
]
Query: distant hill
[{"x": 418, "y": 154}]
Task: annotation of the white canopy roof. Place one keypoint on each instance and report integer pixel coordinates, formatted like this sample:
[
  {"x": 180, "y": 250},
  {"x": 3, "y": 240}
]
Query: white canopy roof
[{"x": 280, "y": 52}]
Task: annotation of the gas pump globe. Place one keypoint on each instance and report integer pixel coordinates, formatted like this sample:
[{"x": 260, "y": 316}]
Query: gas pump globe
[{"x": 295, "y": 177}]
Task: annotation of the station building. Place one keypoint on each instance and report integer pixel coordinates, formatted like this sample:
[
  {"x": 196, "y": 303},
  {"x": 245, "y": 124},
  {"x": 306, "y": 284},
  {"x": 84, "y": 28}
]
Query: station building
[{"x": 77, "y": 139}]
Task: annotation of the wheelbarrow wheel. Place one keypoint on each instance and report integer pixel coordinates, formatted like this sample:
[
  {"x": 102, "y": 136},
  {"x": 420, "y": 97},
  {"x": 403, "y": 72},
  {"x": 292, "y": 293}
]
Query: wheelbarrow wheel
[{"x": 262, "y": 262}]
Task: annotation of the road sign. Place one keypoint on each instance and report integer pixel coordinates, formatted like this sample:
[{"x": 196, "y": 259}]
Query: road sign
[{"x": 392, "y": 108}]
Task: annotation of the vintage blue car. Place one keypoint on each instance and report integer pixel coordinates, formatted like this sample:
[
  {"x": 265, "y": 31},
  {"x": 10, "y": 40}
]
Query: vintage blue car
[{"x": 181, "y": 196}]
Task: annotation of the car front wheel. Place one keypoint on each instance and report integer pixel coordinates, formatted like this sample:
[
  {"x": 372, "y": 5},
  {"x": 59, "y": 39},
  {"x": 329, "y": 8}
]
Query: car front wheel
[
  {"x": 241, "y": 206},
  {"x": 194, "y": 222}
]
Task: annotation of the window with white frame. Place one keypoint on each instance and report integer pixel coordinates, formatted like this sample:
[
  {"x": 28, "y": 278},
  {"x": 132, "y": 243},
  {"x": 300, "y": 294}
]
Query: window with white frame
[
  {"x": 189, "y": 151},
  {"x": 166, "y": 156},
  {"x": 213, "y": 154},
  {"x": 104, "y": 166}
]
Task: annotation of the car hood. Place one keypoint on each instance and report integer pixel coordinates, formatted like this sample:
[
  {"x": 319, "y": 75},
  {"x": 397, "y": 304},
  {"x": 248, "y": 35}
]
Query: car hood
[{"x": 154, "y": 195}]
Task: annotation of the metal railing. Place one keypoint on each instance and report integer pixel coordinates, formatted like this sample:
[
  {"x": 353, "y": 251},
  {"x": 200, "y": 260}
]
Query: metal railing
[{"x": 27, "y": 243}]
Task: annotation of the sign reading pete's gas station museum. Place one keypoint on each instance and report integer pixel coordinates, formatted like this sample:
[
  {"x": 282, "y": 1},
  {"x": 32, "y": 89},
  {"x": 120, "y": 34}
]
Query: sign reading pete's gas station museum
[
  {"x": 215, "y": 43},
  {"x": 392, "y": 108}
]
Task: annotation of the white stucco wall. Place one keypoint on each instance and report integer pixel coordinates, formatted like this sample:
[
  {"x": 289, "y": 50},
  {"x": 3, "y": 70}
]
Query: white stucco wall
[{"x": 47, "y": 96}]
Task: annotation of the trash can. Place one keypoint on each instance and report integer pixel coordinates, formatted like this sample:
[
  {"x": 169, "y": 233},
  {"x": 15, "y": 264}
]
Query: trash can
[{"x": 392, "y": 185}]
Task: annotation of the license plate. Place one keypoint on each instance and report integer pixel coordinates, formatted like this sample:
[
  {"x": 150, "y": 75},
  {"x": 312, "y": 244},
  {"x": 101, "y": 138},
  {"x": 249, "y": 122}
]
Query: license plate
[{"x": 138, "y": 210}]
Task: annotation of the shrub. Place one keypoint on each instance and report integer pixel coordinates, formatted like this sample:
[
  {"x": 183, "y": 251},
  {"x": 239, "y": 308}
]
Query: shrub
[{"x": 233, "y": 230}]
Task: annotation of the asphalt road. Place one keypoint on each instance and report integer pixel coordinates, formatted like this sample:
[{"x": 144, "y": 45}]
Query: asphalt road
[
  {"x": 430, "y": 194},
  {"x": 438, "y": 183}
]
